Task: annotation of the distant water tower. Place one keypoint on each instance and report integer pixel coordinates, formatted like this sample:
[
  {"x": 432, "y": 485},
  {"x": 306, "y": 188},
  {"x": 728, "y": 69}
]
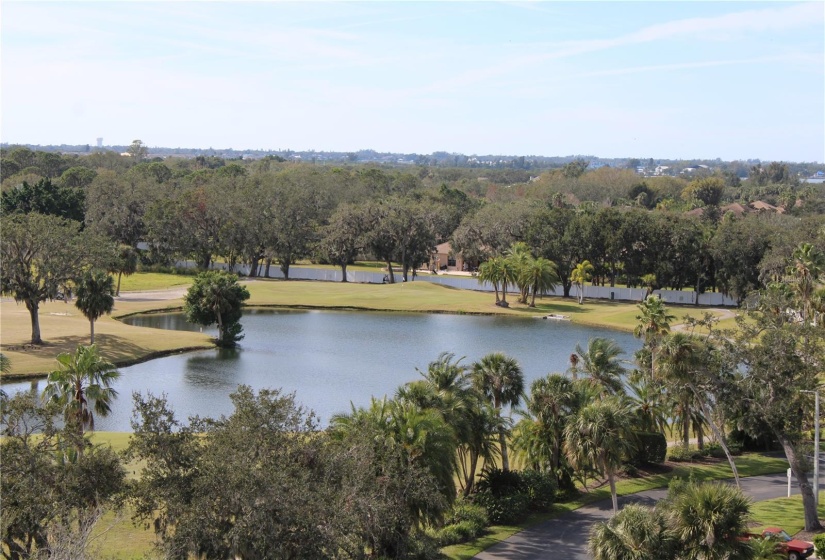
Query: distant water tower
[{"x": 99, "y": 143}]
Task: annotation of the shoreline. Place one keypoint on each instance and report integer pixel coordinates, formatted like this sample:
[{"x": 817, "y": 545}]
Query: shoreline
[{"x": 161, "y": 301}]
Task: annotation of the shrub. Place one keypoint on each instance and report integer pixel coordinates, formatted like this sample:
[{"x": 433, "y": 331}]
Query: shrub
[
  {"x": 466, "y": 511},
  {"x": 682, "y": 454},
  {"x": 499, "y": 483},
  {"x": 504, "y": 509},
  {"x": 819, "y": 545},
  {"x": 651, "y": 448},
  {"x": 540, "y": 487}
]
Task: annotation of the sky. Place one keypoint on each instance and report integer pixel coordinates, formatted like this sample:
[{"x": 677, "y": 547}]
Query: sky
[{"x": 676, "y": 80}]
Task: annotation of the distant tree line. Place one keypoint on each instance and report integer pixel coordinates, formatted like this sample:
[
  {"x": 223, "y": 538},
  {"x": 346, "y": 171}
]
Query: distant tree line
[{"x": 660, "y": 232}]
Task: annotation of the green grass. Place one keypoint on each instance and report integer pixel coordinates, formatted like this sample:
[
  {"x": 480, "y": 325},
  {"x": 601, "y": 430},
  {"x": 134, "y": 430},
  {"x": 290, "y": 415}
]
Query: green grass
[
  {"x": 747, "y": 465},
  {"x": 781, "y": 512},
  {"x": 145, "y": 281}
]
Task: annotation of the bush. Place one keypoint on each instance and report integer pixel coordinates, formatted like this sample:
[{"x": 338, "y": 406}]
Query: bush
[
  {"x": 819, "y": 545},
  {"x": 682, "y": 454},
  {"x": 500, "y": 483},
  {"x": 540, "y": 487},
  {"x": 504, "y": 509},
  {"x": 651, "y": 448},
  {"x": 456, "y": 533},
  {"x": 509, "y": 495},
  {"x": 466, "y": 511}
]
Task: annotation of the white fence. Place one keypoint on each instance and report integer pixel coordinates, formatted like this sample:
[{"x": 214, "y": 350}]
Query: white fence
[{"x": 470, "y": 283}]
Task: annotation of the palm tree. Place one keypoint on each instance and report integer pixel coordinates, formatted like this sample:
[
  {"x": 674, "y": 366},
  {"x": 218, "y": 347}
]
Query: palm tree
[
  {"x": 422, "y": 434},
  {"x": 806, "y": 268},
  {"x": 491, "y": 271},
  {"x": 653, "y": 319},
  {"x": 82, "y": 387},
  {"x": 708, "y": 520},
  {"x": 446, "y": 388},
  {"x": 647, "y": 401},
  {"x": 500, "y": 379},
  {"x": 601, "y": 362},
  {"x": 682, "y": 361},
  {"x": 519, "y": 257},
  {"x": 580, "y": 275},
  {"x": 635, "y": 533},
  {"x": 599, "y": 438},
  {"x": 95, "y": 296},
  {"x": 540, "y": 276},
  {"x": 538, "y": 437}
]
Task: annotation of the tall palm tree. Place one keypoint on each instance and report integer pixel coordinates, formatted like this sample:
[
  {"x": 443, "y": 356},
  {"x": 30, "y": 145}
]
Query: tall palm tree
[
  {"x": 540, "y": 276},
  {"x": 708, "y": 520},
  {"x": 519, "y": 257},
  {"x": 82, "y": 386},
  {"x": 653, "y": 319},
  {"x": 538, "y": 438},
  {"x": 635, "y": 533},
  {"x": 500, "y": 379},
  {"x": 580, "y": 275},
  {"x": 446, "y": 388},
  {"x": 682, "y": 361},
  {"x": 490, "y": 271},
  {"x": 600, "y": 438},
  {"x": 601, "y": 362},
  {"x": 95, "y": 296}
]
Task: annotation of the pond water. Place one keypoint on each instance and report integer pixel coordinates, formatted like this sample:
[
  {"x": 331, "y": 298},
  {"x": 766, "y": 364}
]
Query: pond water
[{"x": 332, "y": 358}]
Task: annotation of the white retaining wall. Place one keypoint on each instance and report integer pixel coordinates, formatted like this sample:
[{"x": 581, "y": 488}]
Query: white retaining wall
[{"x": 680, "y": 297}]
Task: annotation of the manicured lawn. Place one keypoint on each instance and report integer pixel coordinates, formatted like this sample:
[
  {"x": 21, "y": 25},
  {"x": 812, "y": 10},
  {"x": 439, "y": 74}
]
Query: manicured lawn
[
  {"x": 781, "y": 512},
  {"x": 142, "y": 281},
  {"x": 63, "y": 328}
]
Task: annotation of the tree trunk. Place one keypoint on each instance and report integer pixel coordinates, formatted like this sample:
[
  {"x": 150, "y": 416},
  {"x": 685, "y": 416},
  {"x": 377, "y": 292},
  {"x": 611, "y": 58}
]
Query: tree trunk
[
  {"x": 205, "y": 260},
  {"x": 611, "y": 478},
  {"x": 253, "y": 267},
  {"x": 717, "y": 433},
  {"x": 808, "y": 505},
  {"x": 285, "y": 269},
  {"x": 119, "y": 275},
  {"x": 34, "y": 308},
  {"x": 268, "y": 264},
  {"x": 390, "y": 272},
  {"x": 502, "y": 440},
  {"x": 92, "y": 325},
  {"x": 566, "y": 285},
  {"x": 343, "y": 272}
]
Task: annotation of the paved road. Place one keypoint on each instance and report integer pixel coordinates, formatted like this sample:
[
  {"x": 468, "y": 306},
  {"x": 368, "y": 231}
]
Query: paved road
[{"x": 565, "y": 537}]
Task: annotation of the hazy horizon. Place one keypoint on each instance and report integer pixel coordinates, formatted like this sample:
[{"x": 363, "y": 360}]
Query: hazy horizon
[{"x": 667, "y": 80}]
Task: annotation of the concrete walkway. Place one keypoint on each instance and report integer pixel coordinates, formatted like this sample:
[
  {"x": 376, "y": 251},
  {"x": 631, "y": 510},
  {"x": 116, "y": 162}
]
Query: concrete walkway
[{"x": 566, "y": 536}]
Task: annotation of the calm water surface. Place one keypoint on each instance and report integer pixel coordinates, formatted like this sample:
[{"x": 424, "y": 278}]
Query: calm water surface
[{"x": 329, "y": 359}]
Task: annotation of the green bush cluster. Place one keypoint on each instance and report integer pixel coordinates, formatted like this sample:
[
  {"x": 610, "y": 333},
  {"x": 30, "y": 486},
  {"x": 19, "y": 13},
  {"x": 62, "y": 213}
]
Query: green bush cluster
[
  {"x": 508, "y": 496},
  {"x": 465, "y": 521},
  {"x": 819, "y": 546},
  {"x": 682, "y": 454},
  {"x": 651, "y": 448}
]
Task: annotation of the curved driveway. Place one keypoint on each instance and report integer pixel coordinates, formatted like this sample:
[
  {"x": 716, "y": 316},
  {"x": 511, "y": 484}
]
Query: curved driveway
[{"x": 566, "y": 536}]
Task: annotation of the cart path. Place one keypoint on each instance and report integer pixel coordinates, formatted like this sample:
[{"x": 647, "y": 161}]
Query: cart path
[{"x": 566, "y": 536}]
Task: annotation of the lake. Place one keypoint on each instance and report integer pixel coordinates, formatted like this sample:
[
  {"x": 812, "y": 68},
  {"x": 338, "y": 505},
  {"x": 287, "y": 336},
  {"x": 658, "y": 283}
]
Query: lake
[{"x": 331, "y": 358}]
